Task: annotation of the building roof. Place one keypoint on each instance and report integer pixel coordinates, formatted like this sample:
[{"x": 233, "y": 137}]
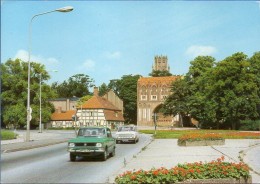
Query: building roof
[
  {"x": 157, "y": 80},
  {"x": 113, "y": 115},
  {"x": 63, "y": 116},
  {"x": 64, "y": 99},
  {"x": 97, "y": 102}
]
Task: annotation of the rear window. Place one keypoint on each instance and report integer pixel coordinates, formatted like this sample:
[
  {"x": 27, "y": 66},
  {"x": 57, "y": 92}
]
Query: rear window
[{"x": 120, "y": 129}]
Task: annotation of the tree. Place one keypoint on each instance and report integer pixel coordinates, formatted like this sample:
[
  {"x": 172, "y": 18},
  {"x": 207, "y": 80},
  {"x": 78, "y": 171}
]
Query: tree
[
  {"x": 200, "y": 102},
  {"x": 159, "y": 73},
  {"x": 14, "y": 92},
  {"x": 83, "y": 99},
  {"x": 103, "y": 89},
  {"x": 126, "y": 88},
  {"x": 177, "y": 102},
  {"x": 235, "y": 89},
  {"x": 77, "y": 85}
]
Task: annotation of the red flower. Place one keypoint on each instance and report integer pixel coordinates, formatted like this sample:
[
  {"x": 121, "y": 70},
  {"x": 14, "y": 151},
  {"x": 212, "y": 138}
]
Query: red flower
[
  {"x": 133, "y": 177},
  {"x": 155, "y": 173}
]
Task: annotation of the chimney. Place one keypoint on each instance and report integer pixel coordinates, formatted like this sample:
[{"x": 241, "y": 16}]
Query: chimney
[{"x": 95, "y": 91}]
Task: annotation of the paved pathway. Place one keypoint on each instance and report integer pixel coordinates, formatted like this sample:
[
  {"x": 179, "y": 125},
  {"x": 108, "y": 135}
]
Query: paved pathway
[{"x": 166, "y": 153}]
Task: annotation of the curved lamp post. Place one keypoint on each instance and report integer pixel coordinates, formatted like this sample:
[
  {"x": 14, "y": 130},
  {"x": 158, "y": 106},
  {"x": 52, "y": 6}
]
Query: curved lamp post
[{"x": 29, "y": 111}]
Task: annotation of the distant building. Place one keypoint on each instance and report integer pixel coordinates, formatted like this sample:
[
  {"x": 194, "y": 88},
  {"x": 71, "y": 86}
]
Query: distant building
[
  {"x": 151, "y": 93},
  {"x": 61, "y": 119},
  {"x": 161, "y": 63},
  {"x": 97, "y": 111},
  {"x": 101, "y": 111},
  {"x": 64, "y": 104}
]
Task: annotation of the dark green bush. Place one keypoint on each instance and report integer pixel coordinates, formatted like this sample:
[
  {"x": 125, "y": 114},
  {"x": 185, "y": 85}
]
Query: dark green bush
[{"x": 250, "y": 125}]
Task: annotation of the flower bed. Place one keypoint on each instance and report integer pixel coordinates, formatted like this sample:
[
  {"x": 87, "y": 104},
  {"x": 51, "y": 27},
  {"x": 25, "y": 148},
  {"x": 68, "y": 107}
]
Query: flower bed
[
  {"x": 201, "y": 140},
  {"x": 212, "y": 172}
]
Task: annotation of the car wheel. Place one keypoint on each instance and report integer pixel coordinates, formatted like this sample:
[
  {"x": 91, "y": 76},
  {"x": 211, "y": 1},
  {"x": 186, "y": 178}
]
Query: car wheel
[
  {"x": 117, "y": 142},
  {"x": 72, "y": 157},
  {"x": 104, "y": 156}
]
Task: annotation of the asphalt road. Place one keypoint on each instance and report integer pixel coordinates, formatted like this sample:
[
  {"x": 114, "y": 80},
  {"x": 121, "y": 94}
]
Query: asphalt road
[{"x": 51, "y": 165}]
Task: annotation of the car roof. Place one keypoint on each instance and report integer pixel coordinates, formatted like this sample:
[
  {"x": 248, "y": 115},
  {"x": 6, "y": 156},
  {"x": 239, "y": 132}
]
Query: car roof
[{"x": 93, "y": 127}]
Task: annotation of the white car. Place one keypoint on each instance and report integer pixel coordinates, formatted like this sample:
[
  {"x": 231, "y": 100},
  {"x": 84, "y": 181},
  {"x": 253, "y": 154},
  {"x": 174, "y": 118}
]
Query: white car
[{"x": 127, "y": 133}]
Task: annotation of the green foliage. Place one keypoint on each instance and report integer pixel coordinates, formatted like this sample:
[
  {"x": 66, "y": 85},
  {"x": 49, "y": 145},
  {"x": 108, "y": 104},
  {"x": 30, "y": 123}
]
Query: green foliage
[
  {"x": 77, "y": 85},
  {"x": 83, "y": 99},
  {"x": 218, "y": 94},
  {"x": 126, "y": 88},
  {"x": 14, "y": 93},
  {"x": 7, "y": 135},
  {"x": 250, "y": 125},
  {"x": 103, "y": 89},
  {"x": 159, "y": 73}
]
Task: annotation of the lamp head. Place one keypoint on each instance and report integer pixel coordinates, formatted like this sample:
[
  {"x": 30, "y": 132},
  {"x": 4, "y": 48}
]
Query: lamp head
[{"x": 65, "y": 9}]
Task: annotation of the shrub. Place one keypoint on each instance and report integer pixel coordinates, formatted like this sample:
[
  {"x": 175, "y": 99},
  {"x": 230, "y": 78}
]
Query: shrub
[
  {"x": 199, "y": 137},
  {"x": 7, "y": 135},
  {"x": 212, "y": 170},
  {"x": 250, "y": 125}
]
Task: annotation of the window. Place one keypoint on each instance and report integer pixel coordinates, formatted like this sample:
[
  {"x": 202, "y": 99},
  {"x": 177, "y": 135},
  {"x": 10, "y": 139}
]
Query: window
[
  {"x": 153, "y": 97},
  {"x": 143, "y": 97},
  {"x": 164, "y": 97}
]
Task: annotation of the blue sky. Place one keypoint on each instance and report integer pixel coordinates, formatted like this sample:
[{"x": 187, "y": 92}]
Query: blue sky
[{"x": 109, "y": 39}]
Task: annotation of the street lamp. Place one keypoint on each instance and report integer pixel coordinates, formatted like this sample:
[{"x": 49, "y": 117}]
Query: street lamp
[
  {"x": 40, "y": 98},
  {"x": 64, "y": 9}
]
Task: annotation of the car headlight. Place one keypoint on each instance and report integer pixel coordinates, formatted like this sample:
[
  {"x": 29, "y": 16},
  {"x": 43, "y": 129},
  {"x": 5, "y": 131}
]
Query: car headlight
[
  {"x": 71, "y": 144},
  {"x": 99, "y": 145}
]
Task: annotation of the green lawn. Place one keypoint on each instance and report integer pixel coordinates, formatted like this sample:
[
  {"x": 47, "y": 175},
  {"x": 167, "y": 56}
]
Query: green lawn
[
  {"x": 7, "y": 135},
  {"x": 227, "y": 134}
]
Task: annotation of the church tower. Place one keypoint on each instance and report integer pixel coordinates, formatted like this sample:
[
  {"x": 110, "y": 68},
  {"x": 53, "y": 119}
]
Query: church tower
[{"x": 161, "y": 63}]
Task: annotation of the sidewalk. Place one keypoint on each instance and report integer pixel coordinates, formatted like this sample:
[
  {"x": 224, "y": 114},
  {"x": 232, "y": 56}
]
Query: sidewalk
[
  {"x": 47, "y": 137},
  {"x": 166, "y": 153}
]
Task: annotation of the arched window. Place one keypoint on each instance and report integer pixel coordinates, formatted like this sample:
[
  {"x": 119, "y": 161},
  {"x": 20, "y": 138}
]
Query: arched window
[
  {"x": 143, "y": 93},
  {"x": 154, "y": 93},
  {"x": 163, "y": 92}
]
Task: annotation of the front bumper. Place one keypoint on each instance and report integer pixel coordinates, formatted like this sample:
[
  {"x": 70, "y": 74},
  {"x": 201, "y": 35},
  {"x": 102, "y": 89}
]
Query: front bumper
[{"x": 86, "y": 152}]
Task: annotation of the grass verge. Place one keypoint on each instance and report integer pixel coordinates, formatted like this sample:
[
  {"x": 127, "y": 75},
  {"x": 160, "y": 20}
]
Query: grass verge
[
  {"x": 226, "y": 134},
  {"x": 7, "y": 135}
]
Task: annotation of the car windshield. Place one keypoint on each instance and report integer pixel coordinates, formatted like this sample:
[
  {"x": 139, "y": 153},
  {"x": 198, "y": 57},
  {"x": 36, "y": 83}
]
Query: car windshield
[
  {"x": 92, "y": 132},
  {"x": 121, "y": 129}
]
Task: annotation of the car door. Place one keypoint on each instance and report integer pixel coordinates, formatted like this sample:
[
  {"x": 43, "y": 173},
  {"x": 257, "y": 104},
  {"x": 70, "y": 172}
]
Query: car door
[{"x": 111, "y": 140}]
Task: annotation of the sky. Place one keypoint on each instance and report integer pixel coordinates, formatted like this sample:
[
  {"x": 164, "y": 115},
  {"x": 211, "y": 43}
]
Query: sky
[{"x": 109, "y": 39}]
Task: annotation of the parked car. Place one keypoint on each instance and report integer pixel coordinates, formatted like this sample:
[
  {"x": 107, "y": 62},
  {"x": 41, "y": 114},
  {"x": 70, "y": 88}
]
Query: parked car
[
  {"x": 127, "y": 133},
  {"x": 92, "y": 142}
]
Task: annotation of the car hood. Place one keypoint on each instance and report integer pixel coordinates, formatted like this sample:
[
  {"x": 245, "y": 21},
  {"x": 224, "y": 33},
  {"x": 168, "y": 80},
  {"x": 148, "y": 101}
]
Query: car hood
[{"x": 87, "y": 139}]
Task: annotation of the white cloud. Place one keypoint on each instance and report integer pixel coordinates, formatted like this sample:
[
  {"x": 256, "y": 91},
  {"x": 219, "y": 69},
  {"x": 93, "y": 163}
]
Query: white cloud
[
  {"x": 88, "y": 65},
  {"x": 200, "y": 50},
  {"x": 113, "y": 55},
  {"x": 23, "y": 55}
]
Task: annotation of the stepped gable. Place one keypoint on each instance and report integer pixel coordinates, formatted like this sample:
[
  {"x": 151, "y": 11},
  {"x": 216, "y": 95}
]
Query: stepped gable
[
  {"x": 157, "y": 80},
  {"x": 62, "y": 116},
  {"x": 97, "y": 102}
]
